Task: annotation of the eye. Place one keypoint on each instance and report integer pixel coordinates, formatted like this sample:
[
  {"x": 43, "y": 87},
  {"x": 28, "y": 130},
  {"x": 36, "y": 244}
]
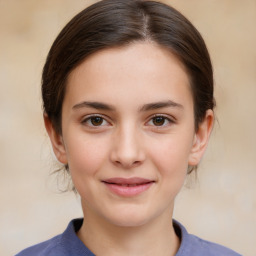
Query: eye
[
  {"x": 95, "y": 121},
  {"x": 160, "y": 121}
]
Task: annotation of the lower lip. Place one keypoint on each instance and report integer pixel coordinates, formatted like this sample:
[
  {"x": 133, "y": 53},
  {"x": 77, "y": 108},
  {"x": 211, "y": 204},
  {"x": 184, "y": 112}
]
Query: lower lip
[{"x": 127, "y": 191}]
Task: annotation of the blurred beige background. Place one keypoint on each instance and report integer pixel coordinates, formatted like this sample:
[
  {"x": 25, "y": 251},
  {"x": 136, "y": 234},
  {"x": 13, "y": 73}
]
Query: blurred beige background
[{"x": 220, "y": 206}]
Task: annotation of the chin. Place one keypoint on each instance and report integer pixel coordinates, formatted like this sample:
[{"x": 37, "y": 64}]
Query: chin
[{"x": 129, "y": 218}]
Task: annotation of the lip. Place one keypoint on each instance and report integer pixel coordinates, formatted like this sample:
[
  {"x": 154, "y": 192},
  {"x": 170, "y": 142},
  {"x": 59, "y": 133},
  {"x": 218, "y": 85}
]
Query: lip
[{"x": 128, "y": 187}]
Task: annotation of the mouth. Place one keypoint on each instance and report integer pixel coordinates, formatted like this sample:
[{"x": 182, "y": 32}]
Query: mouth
[{"x": 128, "y": 187}]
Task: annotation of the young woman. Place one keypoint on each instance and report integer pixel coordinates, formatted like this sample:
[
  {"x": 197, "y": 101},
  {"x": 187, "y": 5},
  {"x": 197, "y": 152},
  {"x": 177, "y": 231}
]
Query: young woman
[{"x": 128, "y": 105}]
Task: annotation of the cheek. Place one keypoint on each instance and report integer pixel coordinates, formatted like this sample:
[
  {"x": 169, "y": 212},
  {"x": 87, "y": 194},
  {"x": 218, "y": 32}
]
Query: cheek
[
  {"x": 85, "y": 155},
  {"x": 171, "y": 154}
]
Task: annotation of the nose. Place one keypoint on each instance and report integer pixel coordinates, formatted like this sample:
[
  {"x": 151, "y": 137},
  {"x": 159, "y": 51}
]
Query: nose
[{"x": 127, "y": 148}]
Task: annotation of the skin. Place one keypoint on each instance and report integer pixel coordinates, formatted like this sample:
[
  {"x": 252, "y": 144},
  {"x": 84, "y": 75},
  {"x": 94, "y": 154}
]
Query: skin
[{"x": 127, "y": 140}]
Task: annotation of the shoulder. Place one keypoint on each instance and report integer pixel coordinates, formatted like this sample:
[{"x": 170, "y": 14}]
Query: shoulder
[
  {"x": 65, "y": 244},
  {"x": 195, "y": 246},
  {"x": 203, "y": 247},
  {"x": 49, "y": 247}
]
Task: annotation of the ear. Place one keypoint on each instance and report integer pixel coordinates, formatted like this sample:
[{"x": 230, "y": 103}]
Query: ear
[
  {"x": 56, "y": 140},
  {"x": 201, "y": 138}
]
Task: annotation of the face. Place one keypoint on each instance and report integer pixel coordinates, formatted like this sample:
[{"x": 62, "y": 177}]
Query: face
[{"x": 128, "y": 133}]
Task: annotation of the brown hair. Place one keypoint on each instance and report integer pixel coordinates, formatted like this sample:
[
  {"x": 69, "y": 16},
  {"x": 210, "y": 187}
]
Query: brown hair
[{"x": 111, "y": 23}]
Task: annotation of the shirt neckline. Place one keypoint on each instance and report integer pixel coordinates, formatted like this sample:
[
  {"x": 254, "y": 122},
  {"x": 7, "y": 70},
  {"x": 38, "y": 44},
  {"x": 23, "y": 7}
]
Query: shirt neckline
[{"x": 70, "y": 239}]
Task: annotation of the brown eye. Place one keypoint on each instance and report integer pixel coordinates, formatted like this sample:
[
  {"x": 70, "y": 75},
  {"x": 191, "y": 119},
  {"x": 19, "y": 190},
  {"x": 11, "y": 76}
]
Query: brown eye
[
  {"x": 96, "y": 120},
  {"x": 159, "y": 120}
]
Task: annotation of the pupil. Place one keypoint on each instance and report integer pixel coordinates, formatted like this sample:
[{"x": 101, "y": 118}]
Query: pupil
[
  {"x": 158, "y": 120},
  {"x": 97, "y": 120}
]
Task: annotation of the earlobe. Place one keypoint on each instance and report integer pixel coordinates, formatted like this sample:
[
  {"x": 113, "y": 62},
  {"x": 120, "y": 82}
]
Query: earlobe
[
  {"x": 201, "y": 139},
  {"x": 56, "y": 141}
]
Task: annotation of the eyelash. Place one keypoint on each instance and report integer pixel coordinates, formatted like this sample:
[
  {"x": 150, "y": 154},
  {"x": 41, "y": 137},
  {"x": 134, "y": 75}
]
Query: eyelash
[
  {"x": 165, "y": 119},
  {"x": 90, "y": 118},
  {"x": 88, "y": 121}
]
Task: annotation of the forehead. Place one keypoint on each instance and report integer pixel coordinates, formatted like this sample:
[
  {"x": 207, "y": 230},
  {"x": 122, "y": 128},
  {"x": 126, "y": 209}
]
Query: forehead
[{"x": 142, "y": 71}]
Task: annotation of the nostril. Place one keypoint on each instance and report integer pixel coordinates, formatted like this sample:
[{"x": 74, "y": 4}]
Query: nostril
[
  {"x": 127, "y": 156},
  {"x": 127, "y": 164}
]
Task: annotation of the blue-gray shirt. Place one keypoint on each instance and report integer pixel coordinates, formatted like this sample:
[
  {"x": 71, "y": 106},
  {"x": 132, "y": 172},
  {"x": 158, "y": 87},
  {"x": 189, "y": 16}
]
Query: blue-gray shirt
[{"x": 68, "y": 244}]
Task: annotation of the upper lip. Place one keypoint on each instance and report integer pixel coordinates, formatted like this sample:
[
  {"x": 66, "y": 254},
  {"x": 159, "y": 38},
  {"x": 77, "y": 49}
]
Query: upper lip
[{"x": 127, "y": 181}]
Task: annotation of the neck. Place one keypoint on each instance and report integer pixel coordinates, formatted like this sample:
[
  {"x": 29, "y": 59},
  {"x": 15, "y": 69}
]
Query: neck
[{"x": 155, "y": 238}]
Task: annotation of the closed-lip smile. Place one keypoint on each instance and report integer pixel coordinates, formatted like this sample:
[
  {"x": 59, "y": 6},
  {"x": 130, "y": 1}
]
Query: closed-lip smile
[{"x": 128, "y": 187}]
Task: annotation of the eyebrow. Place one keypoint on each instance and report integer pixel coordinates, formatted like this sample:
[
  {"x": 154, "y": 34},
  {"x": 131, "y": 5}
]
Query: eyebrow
[
  {"x": 146, "y": 107},
  {"x": 160, "y": 104},
  {"x": 95, "y": 105}
]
